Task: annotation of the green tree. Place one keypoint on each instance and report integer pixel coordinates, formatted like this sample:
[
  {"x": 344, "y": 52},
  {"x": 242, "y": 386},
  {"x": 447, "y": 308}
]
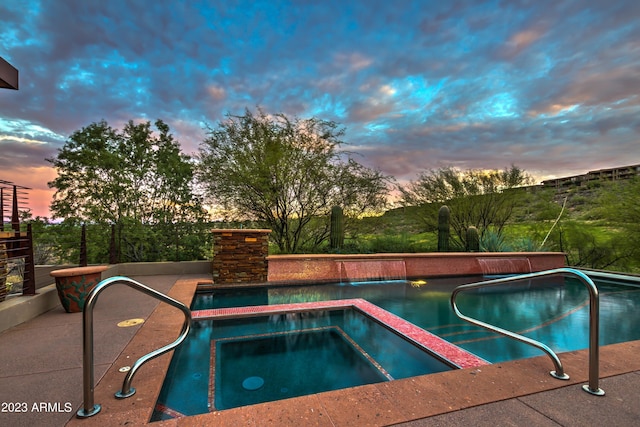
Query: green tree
[
  {"x": 619, "y": 201},
  {"x": 136, "y": 179},
  {"x": 585, "y": 248},
  {"x": 619, "y": 204},
  {"x": 286, "y": 174},
  {"x": 44, "y": 244},
  {"x": 484, "y": 199}
]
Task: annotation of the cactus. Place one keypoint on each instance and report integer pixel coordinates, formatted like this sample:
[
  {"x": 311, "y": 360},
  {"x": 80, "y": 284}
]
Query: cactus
[
  {"x": 473, "y": 239},
  {"x": 443, "y": 229},
  {"x": 336, "y": 238}
]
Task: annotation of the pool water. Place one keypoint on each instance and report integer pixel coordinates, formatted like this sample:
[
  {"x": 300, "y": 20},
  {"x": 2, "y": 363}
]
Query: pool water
[
  {"x": 279, "y": 366},
  {"x": 554, "y": 311},
  {"x": 303, "y": 353},
  {"x": 241, "y": 361}
]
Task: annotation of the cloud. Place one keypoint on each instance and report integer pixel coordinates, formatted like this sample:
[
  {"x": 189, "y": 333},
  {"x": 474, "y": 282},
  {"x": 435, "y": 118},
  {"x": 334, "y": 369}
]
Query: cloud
[{"x": 550, "y": 86}]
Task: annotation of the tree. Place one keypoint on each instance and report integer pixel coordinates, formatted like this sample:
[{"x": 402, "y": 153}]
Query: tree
[
  {"x": 618, "y": 204},
  {"x": 584, "y": 248},
  {"x": 134, "y": 179},
  {"x": 44, "y": 244},
  {"x": 484, "y": 199},
  {"x": 618, "y": 201},
  {"x": 287, "y": 174}
]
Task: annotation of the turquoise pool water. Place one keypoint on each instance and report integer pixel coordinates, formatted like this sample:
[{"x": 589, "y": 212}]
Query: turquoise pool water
[
  {"x": 242, "y": 361},
  {"x": 303, "y": 353},
  {"x": 554, "y": 311}
]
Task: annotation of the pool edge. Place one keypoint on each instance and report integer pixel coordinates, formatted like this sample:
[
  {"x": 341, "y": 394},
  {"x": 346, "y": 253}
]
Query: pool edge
[{"x": 378, "y": 404}]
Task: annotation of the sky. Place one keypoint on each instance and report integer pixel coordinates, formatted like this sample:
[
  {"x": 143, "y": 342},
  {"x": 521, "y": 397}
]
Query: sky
[{"x": 552, "y": 87}]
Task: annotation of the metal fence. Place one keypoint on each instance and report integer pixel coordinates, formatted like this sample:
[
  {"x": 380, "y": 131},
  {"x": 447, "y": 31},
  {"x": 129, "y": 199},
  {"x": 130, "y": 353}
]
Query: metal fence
[{"x": 16, "y": 242}]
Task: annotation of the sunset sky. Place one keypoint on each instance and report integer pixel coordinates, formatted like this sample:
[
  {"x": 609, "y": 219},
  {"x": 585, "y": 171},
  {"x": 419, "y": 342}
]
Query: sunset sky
[{"x": 550, "y": 86}]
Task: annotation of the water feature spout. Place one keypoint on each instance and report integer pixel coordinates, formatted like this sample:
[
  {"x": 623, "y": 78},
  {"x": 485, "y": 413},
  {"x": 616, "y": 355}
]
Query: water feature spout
[
  {"x": 504, "y": 265},
  {"x": 372, "y": 270}
]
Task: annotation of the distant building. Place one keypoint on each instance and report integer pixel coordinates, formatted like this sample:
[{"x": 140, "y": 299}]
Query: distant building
[{"x": 611, "y": 174}]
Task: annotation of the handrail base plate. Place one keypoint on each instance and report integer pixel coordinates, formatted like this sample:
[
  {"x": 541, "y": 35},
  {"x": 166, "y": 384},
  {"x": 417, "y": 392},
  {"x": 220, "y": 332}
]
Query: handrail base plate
[
  {"x": 554, "y": 374},
  {"x": 596, "y": 392},
  {"x": 121, "y": 395},
  {"x": 86, "y": 414}
]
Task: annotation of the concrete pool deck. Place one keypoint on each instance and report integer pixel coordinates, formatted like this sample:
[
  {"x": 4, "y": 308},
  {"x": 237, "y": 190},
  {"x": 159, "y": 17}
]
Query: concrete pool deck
[{"x": 41, "y": 372}]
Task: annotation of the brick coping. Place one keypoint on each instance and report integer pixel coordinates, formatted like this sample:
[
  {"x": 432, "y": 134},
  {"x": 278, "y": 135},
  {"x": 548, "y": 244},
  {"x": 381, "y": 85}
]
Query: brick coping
[{"x": 403, "y": 255}]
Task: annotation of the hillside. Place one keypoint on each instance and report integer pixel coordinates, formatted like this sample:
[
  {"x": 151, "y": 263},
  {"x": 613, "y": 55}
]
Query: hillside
[{"x": 586, "y": 230}]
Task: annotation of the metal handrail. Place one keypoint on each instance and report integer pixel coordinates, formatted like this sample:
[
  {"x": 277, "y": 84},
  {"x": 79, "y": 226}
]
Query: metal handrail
[
  {"x": 604, "y": 276},
  {"x": 594, "y": 322},
  {"x": 90, "y": 408}
]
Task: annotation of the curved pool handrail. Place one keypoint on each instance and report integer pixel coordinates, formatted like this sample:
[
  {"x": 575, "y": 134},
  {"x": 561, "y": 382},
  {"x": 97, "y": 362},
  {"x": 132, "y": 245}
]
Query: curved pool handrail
[
  {"x": 89, "y": 408},
  {"x": 594, "y": 322}
]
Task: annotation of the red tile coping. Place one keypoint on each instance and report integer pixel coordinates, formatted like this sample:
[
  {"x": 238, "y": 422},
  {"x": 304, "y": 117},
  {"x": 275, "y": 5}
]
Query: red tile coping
[{"x": 413, "y": 333}]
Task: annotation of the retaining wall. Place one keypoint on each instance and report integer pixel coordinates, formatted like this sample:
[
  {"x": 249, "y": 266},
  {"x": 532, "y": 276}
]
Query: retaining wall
[{"x": 420, "y": 265}]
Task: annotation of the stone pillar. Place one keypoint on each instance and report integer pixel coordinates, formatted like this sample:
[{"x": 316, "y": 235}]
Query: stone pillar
[{"x": 240, "y": 255}]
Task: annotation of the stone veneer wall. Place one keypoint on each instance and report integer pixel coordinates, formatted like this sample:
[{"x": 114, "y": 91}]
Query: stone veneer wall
[{"x": 240, "y": 256}]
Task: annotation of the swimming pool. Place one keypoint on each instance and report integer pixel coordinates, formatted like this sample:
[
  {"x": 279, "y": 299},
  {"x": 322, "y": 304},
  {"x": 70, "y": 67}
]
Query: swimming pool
[
  {"x": 267, "y": 353},
  {"x": 294, "y": 354},
  {"x": 555, "y": 315},
  {"x": 554, "y": 311}
]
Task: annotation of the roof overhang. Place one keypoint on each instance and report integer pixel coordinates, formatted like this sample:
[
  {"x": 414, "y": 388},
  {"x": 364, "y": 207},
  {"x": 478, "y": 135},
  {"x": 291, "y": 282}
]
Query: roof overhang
[{"x": 8, "y": 75}]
